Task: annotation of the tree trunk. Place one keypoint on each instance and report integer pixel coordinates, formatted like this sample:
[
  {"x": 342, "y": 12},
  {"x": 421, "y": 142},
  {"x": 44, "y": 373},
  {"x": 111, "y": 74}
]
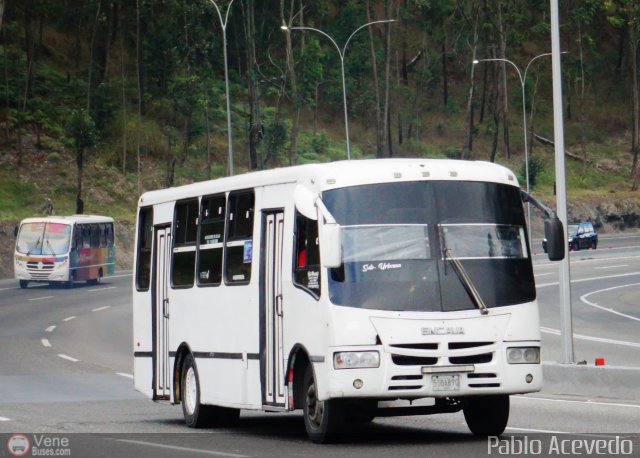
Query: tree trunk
[
  {"x": 139, "y": 79},
  {"x": 80, "y": 166},
  {"x": 293, "y": 82},
  {"x": 445, "y": 74},
  {"x": 91, "y": 44},
  {"x": 505, "y": 98},
  {"x": 633, "y": 48},
  {"x": 254, "y": 108},
  {"x": 124, "y": 106},
  {"x": 376, "y": 84},
  {"x": 468, "y": 146},
  {"x": 387, "y": 77}
]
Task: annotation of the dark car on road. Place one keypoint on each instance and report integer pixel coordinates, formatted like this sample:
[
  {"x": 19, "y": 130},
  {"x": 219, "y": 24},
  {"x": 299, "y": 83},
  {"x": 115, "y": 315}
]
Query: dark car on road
[{"x": 580, "y": 236}]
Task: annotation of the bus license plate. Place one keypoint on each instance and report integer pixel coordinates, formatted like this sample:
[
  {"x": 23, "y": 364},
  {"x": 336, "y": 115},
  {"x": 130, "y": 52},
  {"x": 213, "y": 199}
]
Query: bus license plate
[{"x": 445, "y": 382}]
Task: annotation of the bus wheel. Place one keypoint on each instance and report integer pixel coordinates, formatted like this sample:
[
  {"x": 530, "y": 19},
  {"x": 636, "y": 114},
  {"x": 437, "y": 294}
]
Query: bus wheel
[
  {"x": 322, "y": 419},
  {"x": 24, "y": 284},
  {"x": 96, "y": 281},
  {"x": 486, "y": 415},
  {"x": 197, "y": 415}
]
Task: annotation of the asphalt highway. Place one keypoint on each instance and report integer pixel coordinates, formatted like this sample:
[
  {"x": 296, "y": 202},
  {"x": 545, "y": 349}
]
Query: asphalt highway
[{"x": 66, "y": 365}]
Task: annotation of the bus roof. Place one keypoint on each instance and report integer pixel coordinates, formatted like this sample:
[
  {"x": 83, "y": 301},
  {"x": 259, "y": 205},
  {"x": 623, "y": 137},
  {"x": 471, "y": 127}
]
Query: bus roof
[
  {"x": 72, "y": 219},
  {"x": 330, "y": 175}
]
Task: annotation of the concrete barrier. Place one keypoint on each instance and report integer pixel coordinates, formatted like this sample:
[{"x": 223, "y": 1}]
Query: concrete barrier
[{"x": 593, "y": 381}]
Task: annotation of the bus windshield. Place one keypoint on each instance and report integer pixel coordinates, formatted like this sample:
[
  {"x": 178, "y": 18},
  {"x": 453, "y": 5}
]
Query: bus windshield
[
  {"x": 394, "y": 238},
  {"x": 43, "y": 238}
]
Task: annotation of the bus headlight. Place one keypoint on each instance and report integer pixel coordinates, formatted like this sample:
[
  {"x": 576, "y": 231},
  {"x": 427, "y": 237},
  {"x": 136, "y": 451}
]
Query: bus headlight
[
  {"x": 523, "y": 355},
  {"x": 356, "y": 359}
]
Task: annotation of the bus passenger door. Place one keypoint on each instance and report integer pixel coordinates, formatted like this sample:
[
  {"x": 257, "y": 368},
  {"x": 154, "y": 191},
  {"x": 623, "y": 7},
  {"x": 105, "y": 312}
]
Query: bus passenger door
[
  {"x": 162, "y": 367},
  {"x": 271, "y": 351}
]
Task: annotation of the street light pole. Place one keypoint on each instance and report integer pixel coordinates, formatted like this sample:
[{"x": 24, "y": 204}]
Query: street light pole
[
  {"x": 223, "y": 24},
  {"x": 523, "y": 79},
  {"x": 341, "y": 53}
]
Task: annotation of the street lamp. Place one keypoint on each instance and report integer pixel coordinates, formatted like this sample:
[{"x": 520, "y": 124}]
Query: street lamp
[
  {"x": 341, "y": 52},
  {"x": 523, "y": 79},
  {"x": 223, "y": 24}
]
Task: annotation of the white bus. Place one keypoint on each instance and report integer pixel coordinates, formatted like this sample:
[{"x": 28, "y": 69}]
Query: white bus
[
  {"x": 64, "y": 249},
  {"x": 349, "y": 290}
]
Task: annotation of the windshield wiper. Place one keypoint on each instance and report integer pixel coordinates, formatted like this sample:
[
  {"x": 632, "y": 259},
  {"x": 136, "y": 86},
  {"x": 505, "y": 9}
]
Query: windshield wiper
[
  {"x": 466, "y": 282},
  {"x": 51, "y": 247}
]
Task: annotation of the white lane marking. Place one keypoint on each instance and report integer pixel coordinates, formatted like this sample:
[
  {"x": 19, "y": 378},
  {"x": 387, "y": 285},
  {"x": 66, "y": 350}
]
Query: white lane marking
[
  {"x": 122, "y": 374},
  {"x": 68, "y": 358},
  {"x": 531, "y": 430},
  {"x": 101, "y": 308},
  {"x": 553, "y": 264},
  {"x": 50, "y": 328},
  {"x": 612, "y": 267},
  {"x": 593, "y": 339},
  {"x": 583, "y": 298},
  {"x": 6, "y": 289},
  {"x": 543, "y": 275},
  {"x": 40, "y": 298},
  {"x": 181, "y": 449},
  {"x": 581, "y": 280},
  {"x": 118, "y": 276},
  {"x": 69, "y": 318},
  {"x": 45, "y": 342},
  {"x": 5, "y": 419},
  {"x": 101, "y": 289},
  {"x": 573, "y": 401}
]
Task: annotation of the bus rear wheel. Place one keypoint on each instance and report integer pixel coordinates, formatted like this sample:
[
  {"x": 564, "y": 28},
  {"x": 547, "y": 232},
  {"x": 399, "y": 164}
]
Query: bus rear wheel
[
  {"x": 24, "y": 284},
  {"x": 486, "y": 415},
  {"x": 323, "y": 420},
  {"x": 197, "y": 415}
]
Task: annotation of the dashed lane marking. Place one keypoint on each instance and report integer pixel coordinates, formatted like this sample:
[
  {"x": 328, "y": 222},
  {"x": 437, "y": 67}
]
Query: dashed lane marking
[
  {"x": 69, "y": 318},
  {"x": 45, "y": 342},
  {"x": 5, "y": 419},
  {"x": 182, "y": 449},
  {"x": 68, "y": 358},
  {"x": 101, "y": 289},
  {"x": 611, "y": 267},
  {"x": 50, "y": 328},
  {"x": 101, "y": 308},
  {"x": 40, "y": 298}
]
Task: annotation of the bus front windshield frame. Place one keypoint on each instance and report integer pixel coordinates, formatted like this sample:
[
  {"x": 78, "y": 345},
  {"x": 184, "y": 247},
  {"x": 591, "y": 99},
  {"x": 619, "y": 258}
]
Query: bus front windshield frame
[
  {"x": 395, "y": 234},
  {"x": 44, "y": 238}
]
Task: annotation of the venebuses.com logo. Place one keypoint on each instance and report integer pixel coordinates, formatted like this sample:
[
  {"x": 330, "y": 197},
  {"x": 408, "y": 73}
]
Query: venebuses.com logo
[{"x": 18, "y": 445}]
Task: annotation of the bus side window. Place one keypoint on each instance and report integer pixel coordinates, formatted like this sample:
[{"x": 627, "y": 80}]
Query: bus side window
[
  {"x": 95, "y": 236},
  {"x": 77, "y": 237},
  {"x": 103, "y": 235},
  {"x": 210, "y": 240},
  {"x": 110, "y": 235},
  {"x": 145, "y": 236},
  {"x": 183, "y": 260},
  {"x": 306, "y": 267},
  {"x": 239, "y": 243},
  {"x": 86, "y": 236}
]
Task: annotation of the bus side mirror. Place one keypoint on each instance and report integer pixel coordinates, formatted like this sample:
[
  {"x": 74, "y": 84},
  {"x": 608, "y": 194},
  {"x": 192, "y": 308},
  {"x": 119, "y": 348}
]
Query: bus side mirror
[
  {"x": 331, "y": 245},
  {"x": 304, "y": 200},
  {"x": 554, "y": 233}
]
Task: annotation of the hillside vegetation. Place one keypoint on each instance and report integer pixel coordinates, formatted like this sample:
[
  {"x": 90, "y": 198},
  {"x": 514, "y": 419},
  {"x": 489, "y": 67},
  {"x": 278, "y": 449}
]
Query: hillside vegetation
[{"x": 101, "y": 100}]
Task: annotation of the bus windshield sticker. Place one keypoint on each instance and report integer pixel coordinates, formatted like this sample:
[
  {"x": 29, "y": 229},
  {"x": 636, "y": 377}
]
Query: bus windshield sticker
[
  {"x": 312, "y": 277},
  {"x": 248, "y": 252},
  {"x": 381, "y": 266}
]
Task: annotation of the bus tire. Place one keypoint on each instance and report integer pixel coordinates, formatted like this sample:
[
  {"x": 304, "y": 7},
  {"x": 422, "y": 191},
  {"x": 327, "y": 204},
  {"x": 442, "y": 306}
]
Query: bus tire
[
  {"x": 24, "y": 284},
  {"x": 323, "y": 420},
  {"x": 197, "y": 415},
  {"x": 486, "y": 415},
  {"x": 97, "y": 280}
]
